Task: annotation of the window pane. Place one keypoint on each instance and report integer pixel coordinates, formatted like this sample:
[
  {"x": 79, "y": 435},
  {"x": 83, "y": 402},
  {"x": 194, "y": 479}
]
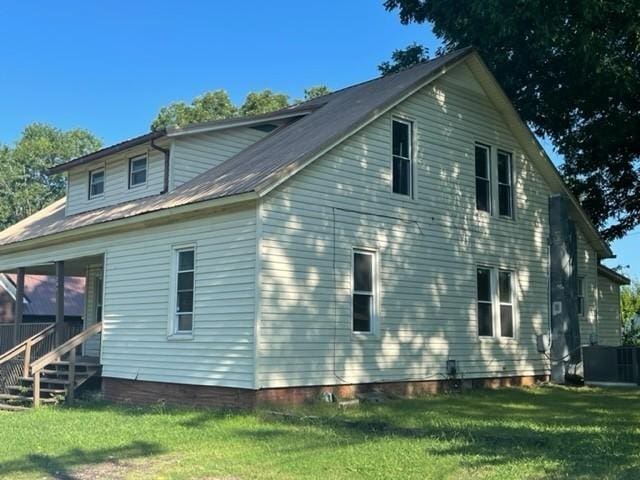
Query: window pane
[
  {"x": 484, "y": 284},
  {"x": 580, "y": 305},
  {"x": 483, "y": 198},
  {"x": 139, "y": 164},
  {"x": 504, "y": 168},
  {"x": 185, "y": 281},
  {"x": 97, "y": 177},
  {"x": 185, "y": 261},
  {"x": 362, "y": 272},
  {"x": 138, "y": 178},
  {"x": 401, "y": 139},
  {"x": 185, "y": 301},
  {"x": 401, "y": 176},
  {"x": 504, "y": 282},
  {"x": 185, "y": 322},
  {"x": 506, "y": 320},
  {"x": 482, "y": 162},
  {"x": 504, "y": 196},
  {"x": 362, "y": 313},
  {"x": 485, "y": 320}
]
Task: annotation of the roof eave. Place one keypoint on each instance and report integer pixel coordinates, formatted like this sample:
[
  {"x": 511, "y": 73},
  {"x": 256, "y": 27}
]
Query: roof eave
[{"x": 613, "y": 275}]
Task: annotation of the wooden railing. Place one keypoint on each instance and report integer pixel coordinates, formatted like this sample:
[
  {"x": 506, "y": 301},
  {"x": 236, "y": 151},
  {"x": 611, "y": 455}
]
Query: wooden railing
[
  {"x": 12, "y": 366},
  {"x": 56, "y": 355},
  {"x": 25, "y": 330}
]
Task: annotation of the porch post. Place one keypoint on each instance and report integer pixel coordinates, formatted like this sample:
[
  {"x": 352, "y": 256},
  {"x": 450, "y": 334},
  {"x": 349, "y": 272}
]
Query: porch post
[
  {"x": 17, "y": 319},
  {"x": 59, "y": 302}
]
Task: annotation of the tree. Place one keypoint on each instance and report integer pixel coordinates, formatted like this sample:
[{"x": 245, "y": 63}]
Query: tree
[
  {"x": 265, "y": 101},
  {"x": 214, "y": 105},
  {"x": 25, "y": 186},
  {"x": 315, "y": 92},
  {"x": 630, "y": 312},
  {"x": 572, "y": 70},
  {"x": 404, "y": 58}
]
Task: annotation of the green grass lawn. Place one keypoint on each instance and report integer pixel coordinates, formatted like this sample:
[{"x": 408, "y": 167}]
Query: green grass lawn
[{"x": 546, "y": 432}]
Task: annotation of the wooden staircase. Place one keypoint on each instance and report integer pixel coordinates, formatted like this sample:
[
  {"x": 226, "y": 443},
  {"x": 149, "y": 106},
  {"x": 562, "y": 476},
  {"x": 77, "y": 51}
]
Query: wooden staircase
[{"x": 50, "y": 379}]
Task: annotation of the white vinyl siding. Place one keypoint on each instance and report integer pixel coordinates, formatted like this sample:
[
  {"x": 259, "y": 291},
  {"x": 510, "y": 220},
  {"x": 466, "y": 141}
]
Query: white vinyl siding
[
  {"x": 136, "y": 344},
  {"x": 195, "y": 154},
  {"x": 428, "y": 251},
  {"x": 587, "y": 264},
  {"x": 609, "y": 324},
  {"x": 116, "y": 182}
]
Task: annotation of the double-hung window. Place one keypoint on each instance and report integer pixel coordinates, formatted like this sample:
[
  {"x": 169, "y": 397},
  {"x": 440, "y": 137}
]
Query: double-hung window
[
  {"x": 363, "y": 291},
  {"x": 581, "y": 296},
  {"x": 137, "y": 171},
  {"x": 184, "y": 287},
  {"x": 496, "y": 316},
  {"x": 96, "y": 183},
  {"x": 483, "y": 177},
  {"x": 402, "y": 152},
  {"x": 505, "y": 190}
]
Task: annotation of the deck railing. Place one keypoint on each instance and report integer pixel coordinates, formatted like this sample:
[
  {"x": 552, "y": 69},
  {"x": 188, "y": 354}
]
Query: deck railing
[
  {"x": 16, "y": 361},
  {"x": 25, "y": 330}
]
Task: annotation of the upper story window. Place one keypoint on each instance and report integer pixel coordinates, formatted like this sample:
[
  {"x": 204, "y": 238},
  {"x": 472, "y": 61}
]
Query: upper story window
[
  {"x": 96, "y": 183},
  {"x": 496, "y": 316},
  {"x": 505, "y": 190},
  {"x": 184, "y": 287},
  {"x": 402, "y": 151},
  {"x": 483, "y": 178},
  {"x": 363, "y": 291},
  {"x": 137, "y": 171}
]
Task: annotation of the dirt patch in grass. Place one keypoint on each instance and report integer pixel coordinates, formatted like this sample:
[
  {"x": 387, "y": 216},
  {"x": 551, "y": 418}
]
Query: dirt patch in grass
[{"x": 116, "y": 469}]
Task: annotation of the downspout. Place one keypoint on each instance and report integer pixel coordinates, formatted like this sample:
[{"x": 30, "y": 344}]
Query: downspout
[{"x": 166, "y": 152}]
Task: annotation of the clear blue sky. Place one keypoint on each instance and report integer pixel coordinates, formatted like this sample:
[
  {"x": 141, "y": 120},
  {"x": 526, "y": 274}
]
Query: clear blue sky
[{"x": 109, "y": 66}]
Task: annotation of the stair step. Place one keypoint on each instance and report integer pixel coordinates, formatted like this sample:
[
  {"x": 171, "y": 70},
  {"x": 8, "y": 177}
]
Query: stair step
[
  {"x": 57, "y": 381},
  {"x": 12, "y": 408},
  {"x": 23, "y": 399},
  {"x": 42, "y": 390},
  {"x": 78, "y": 364}
]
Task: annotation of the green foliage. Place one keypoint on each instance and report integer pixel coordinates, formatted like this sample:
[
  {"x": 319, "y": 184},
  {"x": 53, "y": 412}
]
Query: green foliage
[
  {"x": 25, "y": 186},
  {"x": 630, "y": 312},
  {"x": 572, "y": 71},
  {"x": 216, "y": 105},
  {"x": 315, "y": 92},
  {"x": 404, "y": 58},
  {"x": 265, "y": 101}
]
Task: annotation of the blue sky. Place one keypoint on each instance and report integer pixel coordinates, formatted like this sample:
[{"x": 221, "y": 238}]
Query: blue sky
[{"x": 109, "y": 66}]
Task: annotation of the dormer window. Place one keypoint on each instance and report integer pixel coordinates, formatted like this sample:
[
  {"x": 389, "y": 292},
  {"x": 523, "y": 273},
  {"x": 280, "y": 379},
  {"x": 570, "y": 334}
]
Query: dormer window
[
  {"x": 96, "y": 183},
  {"x": 137, "y": 171}
]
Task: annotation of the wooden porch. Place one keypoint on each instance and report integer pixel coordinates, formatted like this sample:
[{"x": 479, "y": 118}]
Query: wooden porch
[{"x": 47, "y": 362}]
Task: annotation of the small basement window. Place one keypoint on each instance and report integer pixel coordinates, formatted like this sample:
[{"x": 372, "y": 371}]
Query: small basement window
[
  {"x": 96, "y": 183},
  {"x": 505, "y": 190},
  {"x": 363, "y": 291},
  {"x": 137, "y": 171},
  {"x": 184, "y": 268},
  {"x": 483, "y": 178},
  {"x": 402, "y": 170}
]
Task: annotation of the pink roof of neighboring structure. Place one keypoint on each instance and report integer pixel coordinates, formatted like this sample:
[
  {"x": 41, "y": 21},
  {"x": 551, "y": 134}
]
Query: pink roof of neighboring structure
[{"x": 40, "y": 292}]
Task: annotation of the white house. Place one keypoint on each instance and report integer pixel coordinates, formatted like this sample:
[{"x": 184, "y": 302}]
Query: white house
[{"x": 386, "y": 234}]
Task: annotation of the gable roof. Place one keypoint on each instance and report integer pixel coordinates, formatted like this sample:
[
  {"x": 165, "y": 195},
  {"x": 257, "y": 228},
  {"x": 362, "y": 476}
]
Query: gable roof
[
  {"x": 311, "y": 129},
  {"x": 613, "y": 275},
  {"x": 40, "y": 294}
]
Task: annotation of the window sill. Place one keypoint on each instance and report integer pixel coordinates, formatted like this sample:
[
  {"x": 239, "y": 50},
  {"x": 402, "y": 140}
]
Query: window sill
[
  {"x": 506, "y": 340},
  {"x": 180, "y": 337},
  {"x": 363, "y": 336}
]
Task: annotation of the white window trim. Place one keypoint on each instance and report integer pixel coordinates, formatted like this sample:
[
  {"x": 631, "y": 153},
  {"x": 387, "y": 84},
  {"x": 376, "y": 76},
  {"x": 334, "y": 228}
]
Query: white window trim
[
  {"x": 511, "y": 184},
  {"x": 412, "y": 162},
  {"x": 104, "y": 183},
  {"x": 130, "y": 170},
  {"x": 172, "y": 328},
  {"x": 375, "y": 319},
  {"x": 495, "y": 303},
  {"x": 489, "y": 150}
]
